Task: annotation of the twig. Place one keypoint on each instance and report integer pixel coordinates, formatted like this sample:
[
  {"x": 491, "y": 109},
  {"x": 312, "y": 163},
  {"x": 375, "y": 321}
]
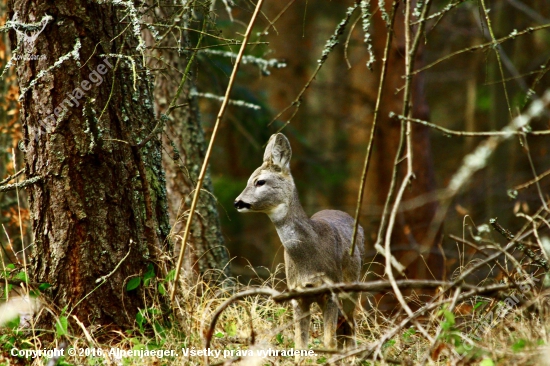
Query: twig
[
  {"x": 219, "y": 310},
  {"x": 101, "y": 280},
  {"x": 366, "y": 164},
  {"x": 23, "y": 184},
  {"x": 331, "y": 43},
  {"x": 209, "y": 150},
  {"x": 479, "y": 158},
  {"x": 410, "y": 54},
  {"x": 527, "y": 251},
  {"x": 366, "y": 351},
  {"x": 494, "y": 247},
  {"x": 483, "y": 45},
  {"x": 466, "y": 133},
  {"x": 20, "y": 283},
  {"x": 158, "y": 129},
  {"x": 187, "y": 70},
  {"x": 497, "y": 53},
  {"x": 272, "y": 22},
  {"x": 440, "y": 327},
  {"x": 445, "y": 10},
  {"x": 372, "y": 286},
  {"x": 10, "y": 177},
  {"x": 532, "y": 181}
]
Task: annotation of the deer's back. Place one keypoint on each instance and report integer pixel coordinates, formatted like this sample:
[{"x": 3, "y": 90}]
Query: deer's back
[{"x": 328, "y": 254}]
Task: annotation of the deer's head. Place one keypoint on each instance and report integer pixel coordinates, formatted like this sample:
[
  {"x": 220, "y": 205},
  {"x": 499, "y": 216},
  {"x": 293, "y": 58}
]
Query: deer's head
[{"x": 270, "y": 188}]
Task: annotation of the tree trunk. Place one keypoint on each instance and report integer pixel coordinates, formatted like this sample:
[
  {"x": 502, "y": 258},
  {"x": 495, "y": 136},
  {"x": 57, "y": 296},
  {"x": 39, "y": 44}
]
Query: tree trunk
[
  {"x": 184, "y": 137},
  {"x": 412, "y": 232},
  {"x": 99, "y": 208}
]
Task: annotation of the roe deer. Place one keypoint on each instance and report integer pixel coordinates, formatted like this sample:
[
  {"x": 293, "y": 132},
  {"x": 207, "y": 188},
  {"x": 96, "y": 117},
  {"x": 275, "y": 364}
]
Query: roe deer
[{"x": 316, "y": 249}]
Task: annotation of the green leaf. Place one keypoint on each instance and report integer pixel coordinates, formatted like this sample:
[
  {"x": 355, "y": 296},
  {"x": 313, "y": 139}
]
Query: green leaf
[
  {"x": 150, "y": 274},
  {"x": 162, "y": 289},
  {"x": 139, "y": 347},
  {"x": 519, "y": 345},
  {"x": 478, "y": 304},
  {"x": 219, "y": 335},
  {"x": 44, "y": 286},
  {"x": 140, "y": 319},
  {"x": 487, "y": 362},
  {"x": 449, "y": 319},
  {"x": 280, "y": 312},
  {"x": 408, "y": 334},
  {"x": 10, "y": 266},
  {"x": 21, "y": 276},
  {"x": 160, "y": 330},
  {"x": 322, "y": 360},
  {"x": 13, "y": 323},
  {"x": 280, "y": 338},
  {"x": 171, "y": 275},
  {"x": 61, "y": 326},
  {"x": 388, "y": 344},
  {"x": 133, "y": 283},
  {"x": 231, "y": 329}
]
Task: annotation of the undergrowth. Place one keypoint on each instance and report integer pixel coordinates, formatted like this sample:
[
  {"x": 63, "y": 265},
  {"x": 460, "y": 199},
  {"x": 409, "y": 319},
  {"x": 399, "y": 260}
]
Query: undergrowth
[{"x": 462, "y": 333}]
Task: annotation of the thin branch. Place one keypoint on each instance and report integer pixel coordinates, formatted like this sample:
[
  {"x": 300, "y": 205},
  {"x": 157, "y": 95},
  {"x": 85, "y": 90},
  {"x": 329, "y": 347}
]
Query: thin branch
[
  {"x": 366, "y": 164},
  {"x": 23, "y": 184},
  {"x": 366, "y": 351},
  {"x": 272, "y": 22},
  {"x": 208, "y": 333},
  {"x": 331, "y": 43},
  {"x": 10, "y": 177},
  {"x": 445, "y": 10},
  {"x": 513, "y": 35},
  {"x": 497, "y": 53},
  {"x": 527, "y": 251},
  {"x": 373, "y": 286},
  {"x": 532, "y": 181},
  {"x": 209, "y": 150},
  {"x": 20, "y": 283},
  {"x": 187, "y": 71},
  {"x": 465, "y": 133},
  {"x": 478, "y": 159}
]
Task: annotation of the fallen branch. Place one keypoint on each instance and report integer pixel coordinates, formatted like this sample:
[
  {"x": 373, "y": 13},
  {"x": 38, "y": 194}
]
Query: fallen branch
[
  {"x": 210, "y": 331},
  {"x": 374, "y": 286}
]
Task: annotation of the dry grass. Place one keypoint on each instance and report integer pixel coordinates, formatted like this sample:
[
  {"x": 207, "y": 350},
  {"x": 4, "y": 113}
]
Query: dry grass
[{"x": 258, "y": 323}]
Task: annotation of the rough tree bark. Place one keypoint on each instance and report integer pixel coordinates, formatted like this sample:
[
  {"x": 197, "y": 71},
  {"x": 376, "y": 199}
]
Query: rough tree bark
[{"x": 99, "y": 208}]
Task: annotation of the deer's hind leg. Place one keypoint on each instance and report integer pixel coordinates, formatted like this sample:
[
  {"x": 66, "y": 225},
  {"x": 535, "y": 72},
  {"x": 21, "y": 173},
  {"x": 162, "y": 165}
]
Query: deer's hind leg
[
  {"x": 346, "y": 330},
  {"x": 329, "y": 306},
  {"x": 302, "y": 318}
]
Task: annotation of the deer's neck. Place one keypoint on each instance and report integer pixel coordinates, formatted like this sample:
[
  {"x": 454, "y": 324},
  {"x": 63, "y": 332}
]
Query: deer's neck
[{"x": 292, "y": 224}]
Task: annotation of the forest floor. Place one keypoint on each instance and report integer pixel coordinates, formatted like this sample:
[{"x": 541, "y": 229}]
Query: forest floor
[{"x": 256, "y": 330}]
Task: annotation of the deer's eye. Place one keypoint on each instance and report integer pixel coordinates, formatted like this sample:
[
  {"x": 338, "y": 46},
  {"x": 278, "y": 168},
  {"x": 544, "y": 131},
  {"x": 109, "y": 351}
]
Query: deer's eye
[{"x": 260, "y": 183}]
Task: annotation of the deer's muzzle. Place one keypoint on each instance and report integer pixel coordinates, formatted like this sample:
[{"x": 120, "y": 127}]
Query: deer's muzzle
[{"x": 240, "y": 204}]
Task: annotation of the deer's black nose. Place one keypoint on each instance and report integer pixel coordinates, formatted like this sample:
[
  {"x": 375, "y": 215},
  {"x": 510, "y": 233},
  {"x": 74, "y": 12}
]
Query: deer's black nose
[{"x": 241, "y": 204}]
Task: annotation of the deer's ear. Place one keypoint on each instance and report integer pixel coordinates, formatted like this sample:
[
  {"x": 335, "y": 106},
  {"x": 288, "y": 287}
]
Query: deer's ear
[{"x": 278, "y": 152}]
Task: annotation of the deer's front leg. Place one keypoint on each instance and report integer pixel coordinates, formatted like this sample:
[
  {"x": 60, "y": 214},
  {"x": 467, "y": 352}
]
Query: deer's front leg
[
  {"x": 330, "y": 319},
  {"x": 302, "y": 318}
]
